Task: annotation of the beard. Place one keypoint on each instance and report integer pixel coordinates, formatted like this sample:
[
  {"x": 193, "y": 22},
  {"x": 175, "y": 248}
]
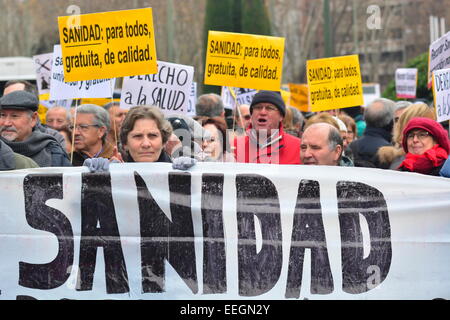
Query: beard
[{"x": 9, "y": 133}]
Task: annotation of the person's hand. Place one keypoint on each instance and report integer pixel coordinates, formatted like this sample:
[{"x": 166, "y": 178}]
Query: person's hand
[
  {"x": 183, "y": 163},
  {"x": 116, "y": 156},
  {"x": 172, "y": 144},
  {"x": 97, "y": 164}
]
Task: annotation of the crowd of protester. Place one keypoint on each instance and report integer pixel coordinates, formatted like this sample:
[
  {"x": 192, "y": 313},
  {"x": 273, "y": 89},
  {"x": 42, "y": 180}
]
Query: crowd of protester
[{"x": 401, "y": 135}]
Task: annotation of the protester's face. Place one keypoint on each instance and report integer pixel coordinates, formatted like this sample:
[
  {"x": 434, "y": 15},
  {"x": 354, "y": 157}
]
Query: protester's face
[
  {"x": 266, "y": 116},
  {"x": 397, "y": 114},
  {"x": 144, "y": 142},
  {"x": 56, "y": 118},
  {"x": 344, "y": 136},
  {"x": 315, "y": 149},
  {"x": 245, "y": 116},
  {"x": 350, "y": 136},
  {"x": 16, "y": 125},
  {"x": 14, "y": 87},
  {"x": 67, "y": 139},
  {"x": 419, "y": 141},
  {"x": 117, "y": 115},
  {"x": 87, "y": 133},
  {"x": 213, "y": 147}
]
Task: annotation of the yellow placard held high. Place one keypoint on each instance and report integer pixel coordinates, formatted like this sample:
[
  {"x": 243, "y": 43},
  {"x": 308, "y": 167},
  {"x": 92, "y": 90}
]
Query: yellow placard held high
[
  {"x": 299, "y": 96},
  {"x": 244, "y": 61},
  {"x": 108, "y": 44},
  {"x": 334, "y": 83}
]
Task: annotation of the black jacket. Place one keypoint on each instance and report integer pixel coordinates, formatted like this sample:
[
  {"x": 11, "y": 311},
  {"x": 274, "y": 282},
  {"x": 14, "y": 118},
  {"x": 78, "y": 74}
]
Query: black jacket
[{"x": 365, "y": 148}]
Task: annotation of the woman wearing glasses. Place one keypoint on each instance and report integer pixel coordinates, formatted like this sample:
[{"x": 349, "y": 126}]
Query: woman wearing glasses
[
  {"x": 426, "y": 145},
  {"x": 216, "y": 147},
  {"x": 390, "y": 157}
]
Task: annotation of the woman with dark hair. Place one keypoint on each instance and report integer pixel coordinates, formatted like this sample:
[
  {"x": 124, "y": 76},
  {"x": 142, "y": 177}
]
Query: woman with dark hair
[
  {"x": 215, "y": 148},
  {"x": 426, "y": 145}
]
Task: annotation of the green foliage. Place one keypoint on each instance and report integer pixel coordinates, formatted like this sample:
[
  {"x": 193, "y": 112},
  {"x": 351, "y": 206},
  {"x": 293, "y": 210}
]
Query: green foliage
[
  {"x": 255, "y": 18},
  {"x": 421, "y": 63},
  {"x": 240, "y": 16}
]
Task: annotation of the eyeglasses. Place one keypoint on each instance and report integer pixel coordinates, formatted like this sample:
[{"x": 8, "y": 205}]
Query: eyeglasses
[
  {"x": 420, "y": 135},
  {"x": 269, "y": 108},
  {"x": 83, "y": 127}
]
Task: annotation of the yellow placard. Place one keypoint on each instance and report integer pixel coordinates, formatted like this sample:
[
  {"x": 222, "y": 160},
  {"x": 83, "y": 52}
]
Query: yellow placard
[
  {"x": 244, "y": 61},
  {"x": 98, "y": 101},
  {"x": 299, "y": 96},
  {"x": 42, "y": 111},
  {"x": 286, "y": 96},
  {"x": 334, "y": 83},
  {"x": 108, "y": 44}
]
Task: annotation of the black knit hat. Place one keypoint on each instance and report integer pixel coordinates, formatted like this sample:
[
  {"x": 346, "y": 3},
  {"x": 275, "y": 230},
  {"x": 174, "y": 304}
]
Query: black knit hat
[
  {"x": 20, "y": 100},
  {"x": 273, "y": 97}
]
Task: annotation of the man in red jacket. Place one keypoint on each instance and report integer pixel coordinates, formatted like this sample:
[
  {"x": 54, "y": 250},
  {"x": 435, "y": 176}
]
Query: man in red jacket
[{"x": 265, "y": 141}]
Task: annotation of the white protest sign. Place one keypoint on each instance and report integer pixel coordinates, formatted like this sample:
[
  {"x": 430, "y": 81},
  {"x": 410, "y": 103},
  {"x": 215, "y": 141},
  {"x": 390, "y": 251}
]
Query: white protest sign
[
  {"x": 66, "y": 104},
  {"x": 441, "y": 94},
  {"x": 59, "y": 90},
  {"x": 192, "y": 101},
  {"x": 406, "y": 83},
  {"x": 43, "y": 63},
  {"x": 243, "y": 96},
  {"x": 224, "y": 231},
  {"x": 439, "y": 56},
  {"x": 169, "y": 89}
]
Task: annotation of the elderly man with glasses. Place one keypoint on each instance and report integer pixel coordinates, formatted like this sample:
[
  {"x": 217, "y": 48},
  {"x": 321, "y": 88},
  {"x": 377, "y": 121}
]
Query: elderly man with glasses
[
  {"x": 265, "y": 140},
  {"x": 90, "y": 128}
]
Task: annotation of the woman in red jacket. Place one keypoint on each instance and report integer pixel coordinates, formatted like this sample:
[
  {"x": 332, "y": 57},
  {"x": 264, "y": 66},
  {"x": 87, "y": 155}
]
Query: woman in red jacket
[{"x": 427, "y": 146}]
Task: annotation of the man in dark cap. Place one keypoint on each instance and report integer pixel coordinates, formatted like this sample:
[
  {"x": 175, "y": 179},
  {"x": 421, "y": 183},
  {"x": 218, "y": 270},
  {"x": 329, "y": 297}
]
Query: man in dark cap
[
  {"x": 18, "y": 116},
  {"x": 24, "y": 85},
  {"x": 265, "y": 141}
]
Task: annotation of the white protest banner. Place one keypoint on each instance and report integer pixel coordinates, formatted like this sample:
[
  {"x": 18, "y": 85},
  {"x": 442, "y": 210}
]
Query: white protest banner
[
  {"x": 224, "y": 231},
  {"x": 59, "y": 90},
  {"x": 441, "y": 94},
  {"x": 406, "y": 83},
  {"x": 43, "y": 63},
  {"x": 243, "y": 96},
  {"x": 169, "y": 88},
  {"x": 439, "y": 56},
  {"x": 192, "y": 100},
  {"x": 66, "y": 104}
]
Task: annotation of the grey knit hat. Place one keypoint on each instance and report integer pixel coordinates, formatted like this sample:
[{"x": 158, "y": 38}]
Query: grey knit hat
[{"x": 272, "y": 97}]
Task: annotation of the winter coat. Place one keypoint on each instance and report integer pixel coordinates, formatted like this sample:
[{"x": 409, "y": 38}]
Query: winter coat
[
  {"x": 42, "y": 148},
  {"x": 10, "y": 160},
  {"x": 284, "y": 151}
]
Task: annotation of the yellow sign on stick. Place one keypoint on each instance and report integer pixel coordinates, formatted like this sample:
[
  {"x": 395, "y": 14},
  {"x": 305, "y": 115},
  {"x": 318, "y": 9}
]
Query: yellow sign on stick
[
  {"x": 244, "y": 61},
  {"x": 334, "y": 83},
  {"x": 108, "y": 45},
  {"x": 299, "y": 96}
]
